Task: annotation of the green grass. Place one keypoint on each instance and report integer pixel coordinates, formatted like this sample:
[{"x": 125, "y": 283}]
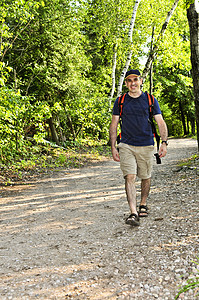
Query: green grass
[
  {"x": 191, "y": 284},
  {"x": 191, "y": 161}
]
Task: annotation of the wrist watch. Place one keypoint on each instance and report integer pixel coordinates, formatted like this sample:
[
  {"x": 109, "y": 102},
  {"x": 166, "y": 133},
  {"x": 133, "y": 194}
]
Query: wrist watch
[{"x": 165, "y": 142}]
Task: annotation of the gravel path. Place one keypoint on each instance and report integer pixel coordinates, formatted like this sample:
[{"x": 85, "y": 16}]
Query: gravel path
[{"x": 64, "y": 237}]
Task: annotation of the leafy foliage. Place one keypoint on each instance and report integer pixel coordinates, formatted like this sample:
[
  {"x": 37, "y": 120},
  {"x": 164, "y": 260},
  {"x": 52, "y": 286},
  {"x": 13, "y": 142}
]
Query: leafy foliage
[
  {"x": 175, "y": 92},
  {"x": 44, "y": 158},
  {"x": 18, "y": 119},
  {"x": 56, "y": 64}
]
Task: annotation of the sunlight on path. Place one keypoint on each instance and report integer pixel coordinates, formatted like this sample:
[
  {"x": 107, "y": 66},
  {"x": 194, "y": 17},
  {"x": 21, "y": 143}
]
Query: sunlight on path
[{"x": 64, "y": 237}]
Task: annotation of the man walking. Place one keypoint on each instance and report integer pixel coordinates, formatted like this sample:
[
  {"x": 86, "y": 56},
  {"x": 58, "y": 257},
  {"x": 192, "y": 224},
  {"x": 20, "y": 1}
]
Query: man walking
[{"x": 136, "y": 146}]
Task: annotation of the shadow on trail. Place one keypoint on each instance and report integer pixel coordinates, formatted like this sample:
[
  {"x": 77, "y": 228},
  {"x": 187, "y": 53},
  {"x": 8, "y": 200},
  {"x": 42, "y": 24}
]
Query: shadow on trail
[{"x": 65, "y": 236}]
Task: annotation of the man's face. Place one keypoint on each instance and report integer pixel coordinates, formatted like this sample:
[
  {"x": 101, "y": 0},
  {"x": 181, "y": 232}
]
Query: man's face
[{"x": 133, "y": 83}]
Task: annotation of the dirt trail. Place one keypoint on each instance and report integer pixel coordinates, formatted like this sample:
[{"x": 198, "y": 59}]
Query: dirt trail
[{"x": 64, "y": 237}]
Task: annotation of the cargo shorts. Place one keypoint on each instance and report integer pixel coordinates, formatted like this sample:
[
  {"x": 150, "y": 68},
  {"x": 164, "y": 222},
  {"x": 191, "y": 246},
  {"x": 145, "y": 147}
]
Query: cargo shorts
[{"x": 136, "y": 160}]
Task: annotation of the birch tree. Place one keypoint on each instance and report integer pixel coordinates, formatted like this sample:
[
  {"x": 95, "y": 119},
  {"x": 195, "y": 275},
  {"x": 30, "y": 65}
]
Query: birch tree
[
  {"x": 113, "y": 72},
  {"x": 153, "y": 52},
  {"x": 130, "y": 33}
]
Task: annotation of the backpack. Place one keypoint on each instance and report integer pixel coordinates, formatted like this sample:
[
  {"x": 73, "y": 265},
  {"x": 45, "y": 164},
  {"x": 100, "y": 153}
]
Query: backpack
[{"x": 150, "y": 120}]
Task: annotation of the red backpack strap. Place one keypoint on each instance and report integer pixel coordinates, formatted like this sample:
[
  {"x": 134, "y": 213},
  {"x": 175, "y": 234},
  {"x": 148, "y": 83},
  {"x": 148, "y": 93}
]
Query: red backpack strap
[
  {"x": 120, "y": 103},
  {"x": 151, "y": 103}
]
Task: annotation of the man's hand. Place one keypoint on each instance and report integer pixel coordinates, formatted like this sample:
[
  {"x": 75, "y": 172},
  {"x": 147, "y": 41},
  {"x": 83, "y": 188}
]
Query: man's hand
[
  {"x": 115, "y": 154},
  {"x": 163, "y": 150}
]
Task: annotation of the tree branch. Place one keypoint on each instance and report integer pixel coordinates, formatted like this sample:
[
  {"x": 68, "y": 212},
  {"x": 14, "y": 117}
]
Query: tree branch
[
  {"x": 155, "y": 48},
  {"x": 15, "y": 39}
]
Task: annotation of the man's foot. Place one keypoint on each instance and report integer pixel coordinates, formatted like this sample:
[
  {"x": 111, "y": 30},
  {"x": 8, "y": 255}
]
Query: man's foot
[
  {"x": 133, "y": 220},
  {"x": 143, "y": 211}
]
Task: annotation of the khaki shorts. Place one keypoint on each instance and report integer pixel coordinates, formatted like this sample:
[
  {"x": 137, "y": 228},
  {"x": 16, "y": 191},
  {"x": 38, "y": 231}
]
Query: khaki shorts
[{"x": 136, "y": 160}]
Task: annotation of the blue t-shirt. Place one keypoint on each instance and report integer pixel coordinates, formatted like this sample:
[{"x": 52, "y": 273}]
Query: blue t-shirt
[{"x": 136, "y": 129}]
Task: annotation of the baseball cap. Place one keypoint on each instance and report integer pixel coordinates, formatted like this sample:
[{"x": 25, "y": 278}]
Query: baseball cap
[{"x": 132, "y": 72}]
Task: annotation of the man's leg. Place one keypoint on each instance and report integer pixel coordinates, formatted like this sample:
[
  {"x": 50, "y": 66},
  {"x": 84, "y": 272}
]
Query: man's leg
[
  {"x": 145, "y": 188},
  {"x": 131, "y": 192}
]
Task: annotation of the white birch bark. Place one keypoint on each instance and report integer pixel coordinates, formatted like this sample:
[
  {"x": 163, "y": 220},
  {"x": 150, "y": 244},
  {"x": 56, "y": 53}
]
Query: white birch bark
[
  {"x": 155, "y": 48},
  {"x": 113, "y": 72},
  {"x": 151, "y": 68},
  {"x": 130, "y": 33},
  {"x": 197, "y": 6}
]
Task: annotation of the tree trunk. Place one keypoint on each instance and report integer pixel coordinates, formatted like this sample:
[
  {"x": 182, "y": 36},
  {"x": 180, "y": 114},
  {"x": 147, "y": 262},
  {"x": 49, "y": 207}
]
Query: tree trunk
[
  {"x": 53, "y": 131},
  {"x": 1, "y": 42},
  {"x": 121, "y": 80},
  {"x": 197, "y": 6},
  {"x": 151, "y": 68},
  {"x": 182, "y": 117},
  {"x": 193, "y": 127},
  {"x": 154, "y": 51},
  {"x": 70, "y": 124},
  {"x": 192, "y": 16},
  {"x": 63, "y": 139},
  {"x": 187, "y": 124},
  {"x": 15, "y": 80},
  {"x": 113, "y": 73},
  {"x": 151, "y": 79}
]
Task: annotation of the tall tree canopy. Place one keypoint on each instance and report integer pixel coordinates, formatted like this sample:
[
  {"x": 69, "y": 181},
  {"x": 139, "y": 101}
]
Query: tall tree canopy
[{"x": 65, "y": 59}]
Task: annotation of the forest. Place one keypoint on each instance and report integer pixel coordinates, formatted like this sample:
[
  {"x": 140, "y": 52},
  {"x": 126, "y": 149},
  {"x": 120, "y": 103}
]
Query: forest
[{"x": 63, "y": 62}]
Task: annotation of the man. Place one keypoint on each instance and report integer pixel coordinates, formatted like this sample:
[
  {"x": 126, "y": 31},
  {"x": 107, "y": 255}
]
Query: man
[{"x": 136, "y": 146}]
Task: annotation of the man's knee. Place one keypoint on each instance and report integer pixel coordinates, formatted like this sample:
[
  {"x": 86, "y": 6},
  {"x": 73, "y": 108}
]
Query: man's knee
[
  {"x": 145, "y": 180},
  {"x": 130, "y": 178}
]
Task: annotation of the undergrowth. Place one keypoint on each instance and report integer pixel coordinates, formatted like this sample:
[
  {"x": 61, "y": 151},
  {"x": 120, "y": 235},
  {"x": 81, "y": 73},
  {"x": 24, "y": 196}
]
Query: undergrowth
[
  {"x": 38, "y": 160},
  {"x": 192, "y": 161}
]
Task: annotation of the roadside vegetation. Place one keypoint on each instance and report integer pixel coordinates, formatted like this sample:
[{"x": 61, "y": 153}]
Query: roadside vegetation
[
  {"x": 192, "y": 283},
  {"x": 43, "y": 159},
  {"x": 60, "y": 65}
]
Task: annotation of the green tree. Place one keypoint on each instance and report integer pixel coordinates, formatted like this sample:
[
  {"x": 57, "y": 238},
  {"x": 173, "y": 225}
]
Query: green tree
[
  {"x": 62, "y": 55},
  {"x": 22, "y": 13},
  {"x": 176, "y": 94},
  {"x": 19, "y": 118},
  {"x": 49, "y": 60},
  {"x": 172, "y": 77}
]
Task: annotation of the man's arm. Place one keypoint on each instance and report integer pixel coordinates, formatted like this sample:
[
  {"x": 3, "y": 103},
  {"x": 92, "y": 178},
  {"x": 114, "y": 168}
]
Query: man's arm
[
  {"x": 113, "y": 137},
  {"x": 163, "y": 133}
]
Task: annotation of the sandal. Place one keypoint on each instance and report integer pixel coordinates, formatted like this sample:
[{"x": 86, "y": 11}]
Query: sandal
[
  {"x": 143, "y": 211},
  {"x": 133, "y": 220}
]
